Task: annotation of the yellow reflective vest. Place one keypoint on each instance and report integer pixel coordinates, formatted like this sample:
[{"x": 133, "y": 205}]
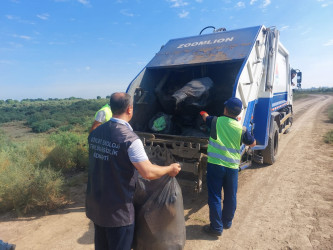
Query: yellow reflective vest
[
  {"x": 225, "y": 149},
  {"x": 107, "y": 111}
]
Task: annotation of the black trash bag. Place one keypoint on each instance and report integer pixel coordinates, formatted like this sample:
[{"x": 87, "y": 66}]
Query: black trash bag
[
  {"x": 198, "y": 128},
  {"x": 164, "y": 96},
  {"x": 194, "y": 132},
  {"x": 159, "y": 215},
  {"x": 191, "y": 99},
  {"x": 194, "y": 93}
]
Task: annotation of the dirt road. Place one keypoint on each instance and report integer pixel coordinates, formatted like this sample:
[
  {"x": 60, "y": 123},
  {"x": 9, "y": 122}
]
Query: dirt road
[{"x": 288, "y": 205}]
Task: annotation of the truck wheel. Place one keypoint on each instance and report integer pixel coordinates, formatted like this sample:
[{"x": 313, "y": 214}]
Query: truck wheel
[
  {"x": 290, "y": 121},
  {"x": 269, "y": 153}
]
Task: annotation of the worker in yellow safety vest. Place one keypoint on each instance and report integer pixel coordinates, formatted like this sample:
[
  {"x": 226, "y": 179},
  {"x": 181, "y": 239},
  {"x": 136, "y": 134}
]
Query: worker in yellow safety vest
[
  {"x": 101, "y": 116},
  {"x": 226, "y": 138}
]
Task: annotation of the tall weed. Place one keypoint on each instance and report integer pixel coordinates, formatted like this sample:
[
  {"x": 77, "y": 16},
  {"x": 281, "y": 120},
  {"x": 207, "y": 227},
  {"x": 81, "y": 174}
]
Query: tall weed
[
  {"x": 328, "y": 137},
  {"x": 24, "y": 185},
  {"x": 330, "y": 113},
  {"x": 70, "y": 151},
  {"x": 27, "y": 188}
]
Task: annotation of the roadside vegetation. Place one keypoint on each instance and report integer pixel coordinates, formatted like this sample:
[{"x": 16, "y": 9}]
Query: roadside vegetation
[
  {"x": 35, "y": 174},
  {"x": 328, "y": 138},
  {"x": 52, "y": 114},
  {"x": 304, "y": 93}
]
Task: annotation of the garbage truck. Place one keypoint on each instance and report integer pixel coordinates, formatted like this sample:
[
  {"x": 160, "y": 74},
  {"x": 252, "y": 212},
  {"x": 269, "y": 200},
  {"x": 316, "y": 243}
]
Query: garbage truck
[{"x": 201, "y": 72}]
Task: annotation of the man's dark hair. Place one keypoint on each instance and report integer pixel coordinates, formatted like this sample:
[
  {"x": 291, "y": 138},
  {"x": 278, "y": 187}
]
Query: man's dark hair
[
  {"x": 233, "y": 106},
  {"x": 232, "y": 113},
  {"x": 119, "y": 102}
]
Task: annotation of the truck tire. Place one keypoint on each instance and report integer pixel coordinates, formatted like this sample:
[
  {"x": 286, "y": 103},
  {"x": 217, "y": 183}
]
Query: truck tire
[{"x": 270, "y": 152}]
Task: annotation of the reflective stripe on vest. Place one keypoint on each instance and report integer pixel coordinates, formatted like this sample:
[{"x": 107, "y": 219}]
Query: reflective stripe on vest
[
  {"x": 107, "y": 111},
  {"x": 231, "y": 150},
  {"x": 225, "y": 150},
  {"x": 223, "y": 158}
]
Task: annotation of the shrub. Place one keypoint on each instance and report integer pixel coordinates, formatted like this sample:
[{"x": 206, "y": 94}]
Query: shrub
[
  {"x": 328, "y": 138},
  {"x": 66, "y": 128},
  {"x": 40, "y": 127},
  {"x": 26, "y": 188},
  {"x": 330, "y": 113},
  {"x": 74, "y": 120},
  {"x": 299, "y": 95},
  {"x": 35, "y": 151},
  {"x": 44, "y": 125},
  {"x": 44, "y": 115},
  {"x": 4, "y": 141},
  {"x": 70, "y": 151}
]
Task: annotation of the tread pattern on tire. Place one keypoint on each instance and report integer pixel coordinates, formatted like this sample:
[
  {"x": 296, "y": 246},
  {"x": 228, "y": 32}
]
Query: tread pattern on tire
[{"x": 268, "y": 153}]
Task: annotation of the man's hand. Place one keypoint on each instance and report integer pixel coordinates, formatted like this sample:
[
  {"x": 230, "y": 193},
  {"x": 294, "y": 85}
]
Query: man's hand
[
  {"x": 253, "y": 144},
  {"x": 204, "y": 115},
  {"x": 151, "y": 171},
  {"x": 174, "y": 169}
]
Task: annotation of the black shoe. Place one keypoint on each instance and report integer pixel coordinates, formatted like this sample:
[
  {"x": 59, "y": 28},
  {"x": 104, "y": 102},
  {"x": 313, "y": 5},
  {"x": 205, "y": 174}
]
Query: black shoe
[
  {"x": 207, "y": 229},
  {"x": 226, "y": 227}
]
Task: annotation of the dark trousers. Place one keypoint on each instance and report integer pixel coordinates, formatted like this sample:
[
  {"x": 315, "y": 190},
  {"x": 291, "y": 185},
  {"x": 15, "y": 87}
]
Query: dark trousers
[
  {"x": 114, "y": 238},
  {"x": 219, "y": 177}
]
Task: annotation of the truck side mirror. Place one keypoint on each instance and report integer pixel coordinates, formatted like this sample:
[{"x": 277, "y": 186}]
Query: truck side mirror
[{"x": 299, "y": 77}]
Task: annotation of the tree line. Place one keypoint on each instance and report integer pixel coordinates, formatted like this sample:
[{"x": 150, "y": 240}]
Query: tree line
[{"x": 43, "y": 115}]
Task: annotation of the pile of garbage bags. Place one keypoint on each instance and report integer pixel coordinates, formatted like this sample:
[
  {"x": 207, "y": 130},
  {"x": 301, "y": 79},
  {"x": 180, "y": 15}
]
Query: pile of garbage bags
[
  {"x": 159, "y": 223},
  {"x": 181, "y": 107},
  {"x": 194, "y": 93}
]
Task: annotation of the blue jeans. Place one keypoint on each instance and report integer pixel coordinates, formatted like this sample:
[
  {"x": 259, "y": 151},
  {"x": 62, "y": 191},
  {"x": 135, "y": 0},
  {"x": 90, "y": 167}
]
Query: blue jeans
[
  {"x": 219, "y": 177},
  {"x": 114, "y": 238}
]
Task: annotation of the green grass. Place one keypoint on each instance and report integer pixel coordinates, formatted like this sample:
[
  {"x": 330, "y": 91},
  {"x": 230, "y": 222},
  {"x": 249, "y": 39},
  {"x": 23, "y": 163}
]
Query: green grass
[
  {"x": 304, "y": 93},
  {"x": 299, "y": 95}
]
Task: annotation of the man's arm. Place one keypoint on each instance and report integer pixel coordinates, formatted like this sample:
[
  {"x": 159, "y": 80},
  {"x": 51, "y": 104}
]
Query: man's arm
[
  {"x": 99, "y": 119},
  {"x": 253, "y": 144},
  {"x": 94, "y": 126},
  {"x": 207, "y": 118},
  {"x": 247, "y": 138},
  {"x": 204, "y": 115},
  {"x": 147, "y": 170},
  {"x": 150, "y": 171}
]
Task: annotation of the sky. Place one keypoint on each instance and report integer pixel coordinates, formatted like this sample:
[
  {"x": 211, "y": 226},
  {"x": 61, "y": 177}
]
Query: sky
[{"x": 90, "y": 48}]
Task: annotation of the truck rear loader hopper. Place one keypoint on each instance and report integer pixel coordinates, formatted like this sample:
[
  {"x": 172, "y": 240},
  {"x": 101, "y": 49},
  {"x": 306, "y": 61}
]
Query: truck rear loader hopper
[{"x": 250, "y": 64}]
